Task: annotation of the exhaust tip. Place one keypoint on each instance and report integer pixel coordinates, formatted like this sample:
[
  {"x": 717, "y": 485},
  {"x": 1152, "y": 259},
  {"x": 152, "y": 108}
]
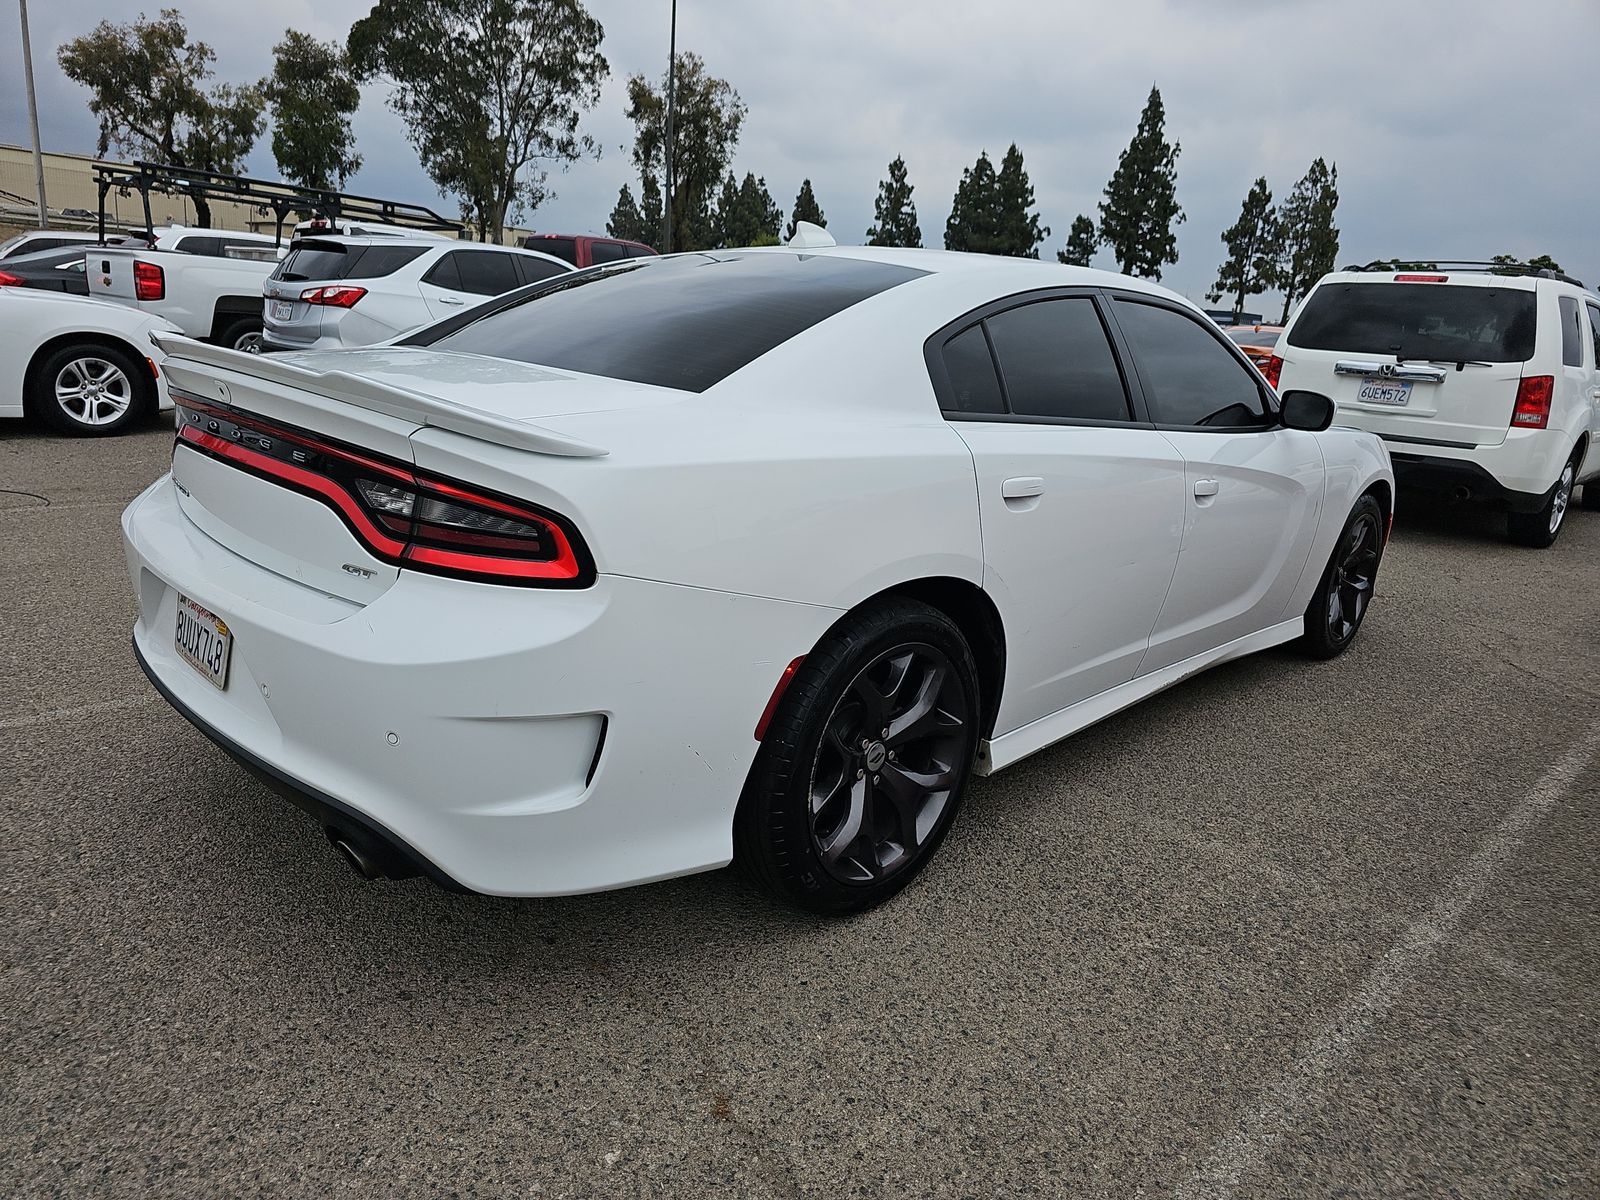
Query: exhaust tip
[{"x": 357, "y": 860}]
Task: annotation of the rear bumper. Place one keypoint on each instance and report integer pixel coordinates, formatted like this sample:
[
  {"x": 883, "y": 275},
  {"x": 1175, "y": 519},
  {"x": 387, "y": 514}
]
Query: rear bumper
[
  {"x": 1460, "y": 480},
  {"x": 501, "y": 740}
]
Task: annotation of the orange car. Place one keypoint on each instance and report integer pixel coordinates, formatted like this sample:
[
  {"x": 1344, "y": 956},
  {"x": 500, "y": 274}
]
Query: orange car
[{"x": 1258, "y": 341}]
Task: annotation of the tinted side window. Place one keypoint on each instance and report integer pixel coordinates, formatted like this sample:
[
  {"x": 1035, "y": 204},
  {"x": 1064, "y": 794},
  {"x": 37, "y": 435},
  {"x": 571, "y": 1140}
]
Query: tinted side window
[
  {"x": 604, "y": 252},
  {"x": 1189, "y": 378},
  {"x": 970, "y": 368},
  {"x": 1594, "y": 332},
  {"x": 378, "y": 261},
  {"x": 199, "y": 245},
  {"x": 1571, "y": 333},
  {"x": 486, "y": 272},
  {"x": 641, "y": 252},
  {"x": 1057, "y": 362},
  {"x": 443, "y": 274},
  {"x": 537, "y": 270}
]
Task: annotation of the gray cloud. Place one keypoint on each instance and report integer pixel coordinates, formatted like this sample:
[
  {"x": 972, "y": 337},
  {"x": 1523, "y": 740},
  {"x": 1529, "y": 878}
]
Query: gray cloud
[{"x": 1464, "y": 128}]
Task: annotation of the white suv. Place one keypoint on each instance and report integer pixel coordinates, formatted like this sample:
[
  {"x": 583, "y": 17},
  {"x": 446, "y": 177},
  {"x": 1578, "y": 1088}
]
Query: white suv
[
  {"x": 334, "y": 292},
  {"x": 1481, "y": 378}
]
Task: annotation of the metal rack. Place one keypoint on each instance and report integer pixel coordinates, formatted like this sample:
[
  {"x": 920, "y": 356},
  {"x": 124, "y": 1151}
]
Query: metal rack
[{"x": 1466, "y": 264}]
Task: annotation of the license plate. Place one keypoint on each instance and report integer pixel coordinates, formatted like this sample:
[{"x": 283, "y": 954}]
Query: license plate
[
  {"x": 202, "y": 638},
  {"x": 283, "y": 310},
  {"x": 1384, "y": 391}
]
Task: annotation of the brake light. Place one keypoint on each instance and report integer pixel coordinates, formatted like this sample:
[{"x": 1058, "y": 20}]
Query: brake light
[
  {"x": 1533, "y": 402},
  {"x": 399, "y": 514},
  {"x": 1422, "y": 279},
  {"x": 1272, "y": 370},
  {"x": 149, "y": 281},
  {"x": 334, "y": 295}
]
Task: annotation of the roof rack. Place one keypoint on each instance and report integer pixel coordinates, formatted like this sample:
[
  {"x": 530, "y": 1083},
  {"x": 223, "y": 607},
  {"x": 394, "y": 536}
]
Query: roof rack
[
  {"x": 283, "y": 199},
  {"x": 1465, "y": 264}
]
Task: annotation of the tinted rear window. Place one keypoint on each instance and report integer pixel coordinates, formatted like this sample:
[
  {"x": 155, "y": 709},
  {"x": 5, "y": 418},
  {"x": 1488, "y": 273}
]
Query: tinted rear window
[
  {"x": 1420, "y": 320},
  {"x": 330, "y": 260},
  {"x": 565, "y": 249},
  {"x": 684, "y": 322}
]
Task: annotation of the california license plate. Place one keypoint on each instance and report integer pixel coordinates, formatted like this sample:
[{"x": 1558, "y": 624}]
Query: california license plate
[
  {"x": 203, "y": 639},
  {"x": 283, "y": 310},
  {"x": 1384, "y": 391}
]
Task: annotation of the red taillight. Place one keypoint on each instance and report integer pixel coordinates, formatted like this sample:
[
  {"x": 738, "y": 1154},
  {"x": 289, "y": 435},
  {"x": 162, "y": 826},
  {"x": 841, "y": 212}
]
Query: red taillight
[
  {"x": 1533, "y": 402},
  {"x": 1273, "y": 369},
  {"x": 10, "y": 280},
  {"x": 777, "y": 695},
  {"x": 1422, "y": 279},
  {"x": 149, "y": 281},
  {"x": 400, "y": 515},
  {"x": 334, "y": 295}
]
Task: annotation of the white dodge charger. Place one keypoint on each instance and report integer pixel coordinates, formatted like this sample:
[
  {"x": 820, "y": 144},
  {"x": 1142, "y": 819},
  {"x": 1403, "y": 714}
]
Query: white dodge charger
[{"x": 750, "y": 555}]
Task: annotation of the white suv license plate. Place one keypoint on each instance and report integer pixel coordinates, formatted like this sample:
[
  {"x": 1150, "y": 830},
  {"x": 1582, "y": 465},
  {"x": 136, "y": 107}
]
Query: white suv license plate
[
  {"x": 202, "y": 638},
  {"x": 283, "y": 310},
  {"x": 1384, "y": 391}
]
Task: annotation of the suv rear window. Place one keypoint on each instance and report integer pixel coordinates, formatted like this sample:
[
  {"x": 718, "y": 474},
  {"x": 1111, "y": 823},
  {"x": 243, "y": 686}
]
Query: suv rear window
[
  {"x": 1420, "y": 320},
  {"x": 564, "y": 248},
  {"x": 333, "y": 260},
  {"x": 684, "y": 322}
]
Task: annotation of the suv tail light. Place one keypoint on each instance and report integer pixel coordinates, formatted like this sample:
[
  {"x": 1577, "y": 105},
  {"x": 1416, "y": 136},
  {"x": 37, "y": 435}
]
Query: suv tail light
[
  {"x": 149, "y": 281},
  {"x": 9, "y": 280},
  {"x": 1533, "y": 402},
  {"x": 1422, "y": 279},
  {"x": 1272, "y": 370},
  {"x": 334, "y": 295},
  {"x": 399, "y": 514}
]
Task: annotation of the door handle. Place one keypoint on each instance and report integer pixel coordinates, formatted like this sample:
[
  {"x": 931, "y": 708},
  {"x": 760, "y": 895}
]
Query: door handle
[
  {"x": 1022, "y": 488},
  {"x": 451, "y": 300},
  {"x": 1204, "y": 488}
]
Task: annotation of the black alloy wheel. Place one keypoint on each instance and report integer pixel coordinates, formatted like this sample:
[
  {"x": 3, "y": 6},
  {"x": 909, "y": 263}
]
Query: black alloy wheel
[
  {"x": 1341, "y": 600},
  {"x": 864, "y": 762},
  {"x": 892, "y": 756}
]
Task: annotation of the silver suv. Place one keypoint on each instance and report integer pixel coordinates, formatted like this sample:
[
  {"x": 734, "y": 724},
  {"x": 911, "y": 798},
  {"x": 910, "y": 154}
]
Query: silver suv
[{"x": 336, "y": 292}]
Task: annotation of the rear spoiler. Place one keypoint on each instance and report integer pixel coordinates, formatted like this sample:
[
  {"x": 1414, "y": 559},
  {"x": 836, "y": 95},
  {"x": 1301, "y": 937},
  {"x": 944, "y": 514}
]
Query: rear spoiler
[{"x": 385, "y": 398}]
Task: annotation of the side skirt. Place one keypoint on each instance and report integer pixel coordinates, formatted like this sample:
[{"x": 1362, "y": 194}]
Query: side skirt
[{"x": 998, "y": 753}]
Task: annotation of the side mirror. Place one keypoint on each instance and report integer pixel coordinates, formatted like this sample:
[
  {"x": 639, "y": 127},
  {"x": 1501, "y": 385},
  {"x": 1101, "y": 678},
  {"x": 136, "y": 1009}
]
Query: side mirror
[{"x": 1310, "y": 411}]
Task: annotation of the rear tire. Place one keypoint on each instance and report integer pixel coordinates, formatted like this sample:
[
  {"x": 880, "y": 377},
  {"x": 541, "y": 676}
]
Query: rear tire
[
  {"x": 1340, "y": 603},
  {"x": 243, "y": 334},
  {"x": 1540, "y": 528},
  {"x": 864, "y": 763},
  {"x": 90, "y": 390}
]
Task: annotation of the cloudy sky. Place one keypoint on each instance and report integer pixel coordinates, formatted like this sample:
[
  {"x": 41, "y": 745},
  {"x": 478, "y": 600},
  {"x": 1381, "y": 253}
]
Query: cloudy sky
[{"x": 1459, "y": 127}]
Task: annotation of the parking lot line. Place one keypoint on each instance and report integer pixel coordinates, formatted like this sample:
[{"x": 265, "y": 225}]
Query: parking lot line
[{"x": 1285, "y": 1098}]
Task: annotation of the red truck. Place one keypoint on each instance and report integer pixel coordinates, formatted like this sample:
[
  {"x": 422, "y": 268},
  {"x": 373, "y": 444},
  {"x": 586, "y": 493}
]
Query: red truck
[{"x": 583, "y": 251}]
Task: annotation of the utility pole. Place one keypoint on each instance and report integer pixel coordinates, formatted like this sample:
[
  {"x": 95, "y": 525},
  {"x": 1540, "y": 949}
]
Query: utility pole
[
  {"x": 33, "y": 113},
  {"x": 666, "y": 150}
]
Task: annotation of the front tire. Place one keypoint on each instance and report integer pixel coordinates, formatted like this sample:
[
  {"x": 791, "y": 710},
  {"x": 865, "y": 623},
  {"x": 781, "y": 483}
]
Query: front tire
[
  {"x": 864, "y": 763},
  {"x": 1340, "y": 602},
  {"x": 1541, "y": 527},
  {"x": 91, "y": 390}
]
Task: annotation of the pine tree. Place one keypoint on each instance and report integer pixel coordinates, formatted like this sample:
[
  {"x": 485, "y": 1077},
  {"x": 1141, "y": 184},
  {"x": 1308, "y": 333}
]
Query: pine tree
[
  {"x": 747, "y": 215},
  {"x": 974, "y": 223},
  {"x": 805, "y": 209},
  {"x": 650, "y": 211},
  {"x": 1253, "y": 251},
  {"x": 1019, "y": 230},
  {"x": 627, "y": 222},
  {"x": 1081, "y": 243},
  {"x": 1141, "y": 203},
  {"x": 1310, "y": 240},
  {"x": 727, "y": 214},
  {"x": 894, "y": 211}
]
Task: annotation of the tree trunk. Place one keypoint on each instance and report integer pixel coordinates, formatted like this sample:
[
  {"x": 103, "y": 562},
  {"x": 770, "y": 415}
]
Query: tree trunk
[{"x": 202, "y": 210}]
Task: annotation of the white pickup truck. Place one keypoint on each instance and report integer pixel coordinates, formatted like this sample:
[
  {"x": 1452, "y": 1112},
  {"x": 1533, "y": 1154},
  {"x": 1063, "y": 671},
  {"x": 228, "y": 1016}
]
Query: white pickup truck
[{"x": 207, "y": 282}]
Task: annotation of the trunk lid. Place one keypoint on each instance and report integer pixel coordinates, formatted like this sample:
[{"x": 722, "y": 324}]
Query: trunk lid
[
  {"x": 1425, "y": 362},
  {"x": 238, "y": 410}
]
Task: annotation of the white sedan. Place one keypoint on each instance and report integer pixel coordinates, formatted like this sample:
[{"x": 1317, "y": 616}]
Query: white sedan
[
  {"x": 81, "y": 366},
  {"x": 750, "y": 555}
]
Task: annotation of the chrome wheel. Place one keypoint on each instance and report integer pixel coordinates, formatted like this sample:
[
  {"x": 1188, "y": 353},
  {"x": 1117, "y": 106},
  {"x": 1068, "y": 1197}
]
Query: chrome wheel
[
  {"x": 1355, "y": 570},
  {"x": 93, "y": 391},
  {"x": 890, "y": 759},
  {"x": 1562, "y": 498}
]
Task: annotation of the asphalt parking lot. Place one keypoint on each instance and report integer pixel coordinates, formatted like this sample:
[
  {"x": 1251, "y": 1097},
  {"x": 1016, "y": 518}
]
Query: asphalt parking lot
[{"x": 1290, "y": 929}]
